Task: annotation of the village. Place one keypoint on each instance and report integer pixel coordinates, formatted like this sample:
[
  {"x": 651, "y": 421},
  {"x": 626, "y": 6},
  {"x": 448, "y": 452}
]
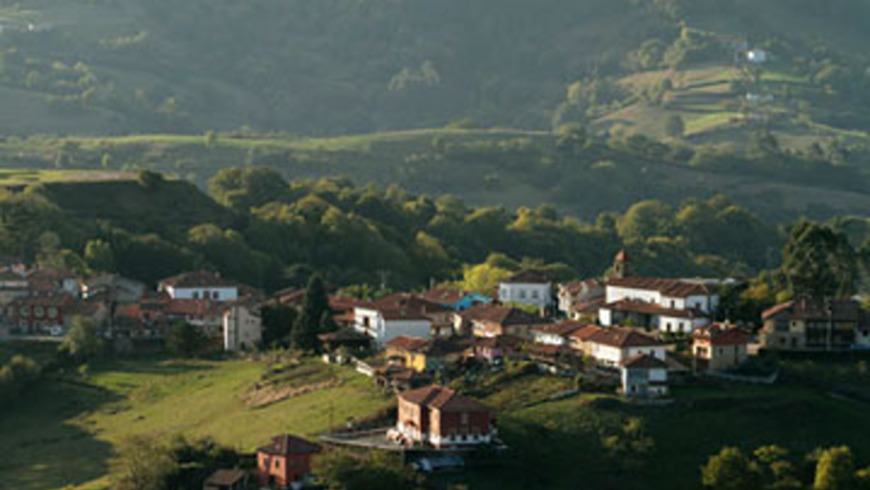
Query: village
[{"x": 621, "y": 333}]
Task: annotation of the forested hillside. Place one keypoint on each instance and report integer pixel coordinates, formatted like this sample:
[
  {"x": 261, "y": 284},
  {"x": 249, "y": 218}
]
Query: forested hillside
[{"x": 340, "y": 66}]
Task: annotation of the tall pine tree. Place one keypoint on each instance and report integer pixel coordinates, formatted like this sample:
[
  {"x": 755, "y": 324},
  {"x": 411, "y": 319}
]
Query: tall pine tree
[{"x": 315, "y": 316}]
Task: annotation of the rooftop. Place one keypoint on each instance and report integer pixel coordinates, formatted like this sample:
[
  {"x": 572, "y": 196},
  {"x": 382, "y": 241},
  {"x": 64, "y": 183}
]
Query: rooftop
[
  {"x": 285, "y": 445},
  {"x": 622, "y": 337},
  {"x": 443, "y": 399},
  {"x": 674, "y": 288},
  {"x": 196, "y": 279}
]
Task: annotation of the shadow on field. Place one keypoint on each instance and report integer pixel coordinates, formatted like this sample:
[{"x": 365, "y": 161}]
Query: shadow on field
[{"x": 41, "y": 444}]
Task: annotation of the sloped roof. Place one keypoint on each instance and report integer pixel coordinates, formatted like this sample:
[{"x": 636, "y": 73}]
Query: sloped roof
[
  {"x": 562, "y": 329},
  {"x": 674, "y": 288},
  {"x": 285, "y": 445},
  {"x": 644, "y": 361},
  {"x": 502, "y": 315},
  {"x": 406, "y": 343},
  {"x": 575, "y": 288},
  {"x": 226, "y": 477},
  {"x": 444, "y": 295},
  {"x": 527, "y": 277},
  {"x": 444, "y": 399},
  {"x": 721, "y": 334},
  {"x": 643, "y": 307},
  {"x": 196, "y": 279},
  {"x": 585, "y": 333},
  {"x": 842, "y": 310},
  {"x": 621, "y": 337}
]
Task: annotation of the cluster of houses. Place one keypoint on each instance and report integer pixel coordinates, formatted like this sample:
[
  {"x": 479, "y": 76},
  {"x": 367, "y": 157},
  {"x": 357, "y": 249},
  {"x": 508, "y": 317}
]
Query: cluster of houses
[{"x": 44, "y": 300}]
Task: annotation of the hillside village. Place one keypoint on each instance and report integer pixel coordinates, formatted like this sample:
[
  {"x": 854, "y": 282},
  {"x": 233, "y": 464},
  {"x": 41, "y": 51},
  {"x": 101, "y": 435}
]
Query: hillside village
[{"x": 619, "y": 333}]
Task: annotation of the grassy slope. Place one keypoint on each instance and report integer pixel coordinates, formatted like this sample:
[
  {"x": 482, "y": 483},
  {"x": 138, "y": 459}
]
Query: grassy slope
[{"x": 65, "y": 434}]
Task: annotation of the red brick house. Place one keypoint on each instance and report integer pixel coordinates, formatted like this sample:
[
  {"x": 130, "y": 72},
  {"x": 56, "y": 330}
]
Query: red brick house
[
  {"x": 442, "y": 418},
  {"x": 285, "y": 461}
]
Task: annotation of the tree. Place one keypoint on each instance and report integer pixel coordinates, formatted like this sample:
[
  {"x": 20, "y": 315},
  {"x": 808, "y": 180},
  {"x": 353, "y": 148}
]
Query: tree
[
  {"x": 341, "y": 471},
  {"x": 143, "y": 464},
  {"x": 835, "y": 470},
  {"x": 99, "y": 256},
  {"x": 674, "y": 126},
  {"x": 278, "y": 322},
  {"x": 819, "y": 262},
  {"x": 185, "y": 340},
  {"x": 730, "y": 470},
  {"x": 310, "y": 321},
  {"x": 646, "y": 219},
  {"x": 82, "y": 341}
]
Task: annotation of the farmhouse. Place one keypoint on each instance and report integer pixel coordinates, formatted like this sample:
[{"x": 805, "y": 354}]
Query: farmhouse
[
  {"x": 644, "y": 376},
  {"x": 806, "y": 325},
  {"x": 556, "y": 333},
  {"x": 527, "y": 288},
  {"x": 442, "y": 418},
  {"x": 285, "y": 461},
  {"x": 667, "y": 305},
  {"x": 199, "y": 285},
  {"x": 612, "y": 346},
  {"x": 425, "y": 355},
  {"x": 718, "y": 347},
  {"x": 402, "y": 315},
  {"x": 494, "y": 320}
]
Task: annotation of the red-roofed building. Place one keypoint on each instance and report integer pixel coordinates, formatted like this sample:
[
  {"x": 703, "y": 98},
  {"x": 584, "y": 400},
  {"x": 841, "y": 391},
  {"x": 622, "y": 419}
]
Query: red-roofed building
[
  {"x": 492, "y": 320},
  {"x": 720, "y": 346},
  {"x": 614, "y": 345},
  {"x": 644, "y": 376},
  {"x": 402, "y": 315},
  {"x": 442, "y": 418},
  {"x": 284, "y": 461},
  {"x": 556, "y": 333},
  {"x": 668, "y": 305},
  {"x": 806, "y": 325}
]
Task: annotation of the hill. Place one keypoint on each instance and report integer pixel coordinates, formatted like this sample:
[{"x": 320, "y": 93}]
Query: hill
[
  {"x": 553, "y": 444},
  {"x": 498, "y": 167},
  {"x": 341, "y": 66}
]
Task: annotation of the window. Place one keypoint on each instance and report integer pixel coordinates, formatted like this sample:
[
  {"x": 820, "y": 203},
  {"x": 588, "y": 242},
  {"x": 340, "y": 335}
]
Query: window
[
  {"x": 39, "y": 311},
  {"x": 215, "y": 295},
  {"x": 277, "y": 464},
  {"x": 535, "y": 295},
  {"x": 522, "y": 294},
  {"x": 52, "y": 312},
  {"x": 196, "y": 295}
]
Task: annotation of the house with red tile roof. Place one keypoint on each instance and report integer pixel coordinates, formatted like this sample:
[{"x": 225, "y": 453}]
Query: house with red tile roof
[
  {"x": 612, "y": 346},
  {"x": 493, "y": 320},
  {"x": 285, "y": 461},
  {"x": 644, "y": 376},
  {"x": 439, "y": 417},
  {"x": 667, "y": 305},
  {"x": 557, "y": 334},
  {"x": 807, "y": 325},
  {"x": 719, "y": 346},
  {"x": 402, "y": 315}
]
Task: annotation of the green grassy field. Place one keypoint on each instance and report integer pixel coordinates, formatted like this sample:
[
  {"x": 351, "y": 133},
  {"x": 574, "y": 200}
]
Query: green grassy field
[
  {"x": 18, "y": 177},
  {"x": 65, "y": 434}
]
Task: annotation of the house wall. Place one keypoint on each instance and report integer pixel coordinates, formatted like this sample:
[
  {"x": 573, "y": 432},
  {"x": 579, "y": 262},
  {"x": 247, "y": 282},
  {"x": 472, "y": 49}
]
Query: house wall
[
  {"x": 605, "y": 317},
  {"x": 680, "y": 325},
  {"x": 613, "y": 356},
  {"x": 540, "y": 295},
  {"x": 241, "y": 329},
  {"x": 459, "y": 428},
  {"x": 215, "y": 293},
  {"x": 618, "y": 293},
  {"x": 282, "y": 470}
]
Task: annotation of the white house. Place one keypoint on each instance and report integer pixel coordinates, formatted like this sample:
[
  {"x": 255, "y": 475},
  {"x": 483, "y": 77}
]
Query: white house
[
  {"x": 644, "y": 376},
  {"x": 612, "y": 346},
  {"x": 652, "y": 316},
  {"x": 242, "y": 327},
  {"x": 387, "y": 319},
  {"x": 199, "y": 285},
  {"x": 556, "y": 333},
  {"x": 527, "y": 288}
]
